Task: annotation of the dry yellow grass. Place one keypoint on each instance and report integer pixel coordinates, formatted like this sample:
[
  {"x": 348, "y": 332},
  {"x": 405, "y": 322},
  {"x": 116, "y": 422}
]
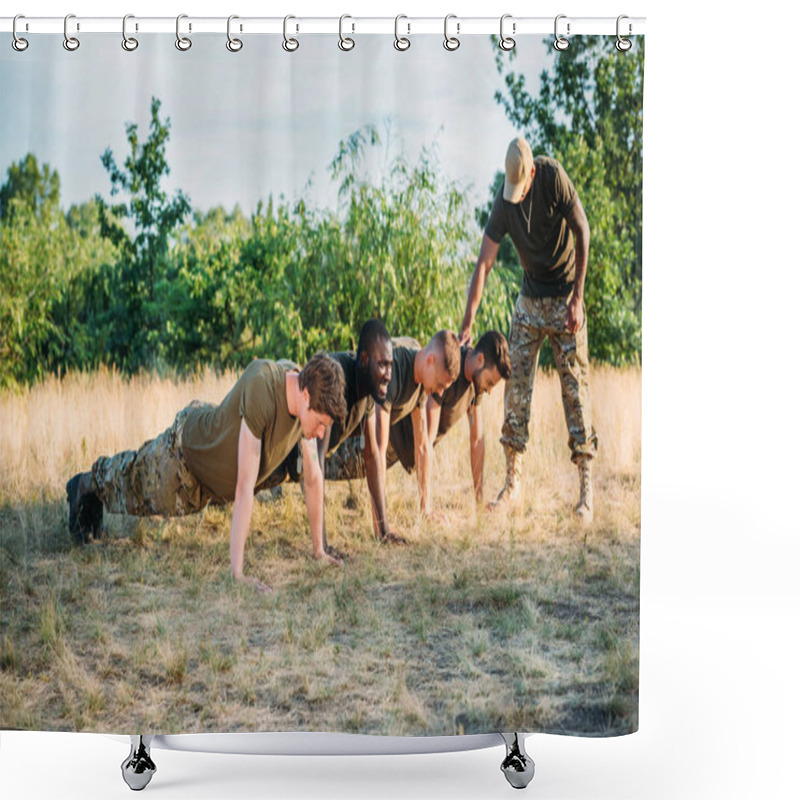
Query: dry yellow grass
[{"x": 521, "y": 620}]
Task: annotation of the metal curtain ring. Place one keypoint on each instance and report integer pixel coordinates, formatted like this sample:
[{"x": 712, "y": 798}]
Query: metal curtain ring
[
  {"x": 183, "y": 43},
  {"x": 71, "y": 43},
  {"x": 345, "y": 42},
  {"x": 18, "y": 43},
  {"x": 234, "y": 45},
  {"x": 401, "y": 42},
  {"x": 451, "y": 42},
  {"x": 560, "y": 42},
  {"x": 623, "y": 44},
  {"x": 128, "y": 42},
  {"x": 506, "y": 42},
  {"x": 289, "y": 45}
]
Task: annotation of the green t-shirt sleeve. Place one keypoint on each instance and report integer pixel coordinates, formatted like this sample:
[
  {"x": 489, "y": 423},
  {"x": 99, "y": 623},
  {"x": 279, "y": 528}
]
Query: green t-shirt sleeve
[
  {"x": 256, "y": 405},
  {"x": 496, "y": 227},
  {"x": 565, "y": 194}
]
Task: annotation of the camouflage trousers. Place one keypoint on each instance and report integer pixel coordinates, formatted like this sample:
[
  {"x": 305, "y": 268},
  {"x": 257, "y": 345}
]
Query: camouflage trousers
[
  {"x": 152, "y": 480},
  {"x": 534, "y": 319},
  {"x": 347, "y": 462}
]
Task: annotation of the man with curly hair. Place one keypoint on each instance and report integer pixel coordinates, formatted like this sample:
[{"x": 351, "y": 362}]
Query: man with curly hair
[{"x": 220, "y": 454}]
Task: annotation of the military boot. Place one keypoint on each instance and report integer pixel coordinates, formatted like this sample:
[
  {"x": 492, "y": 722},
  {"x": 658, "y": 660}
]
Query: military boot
[
  {"x": 85, "y": 508},
  {"x": 584, "y": 511},
  {"x": 511, "y": 489}
]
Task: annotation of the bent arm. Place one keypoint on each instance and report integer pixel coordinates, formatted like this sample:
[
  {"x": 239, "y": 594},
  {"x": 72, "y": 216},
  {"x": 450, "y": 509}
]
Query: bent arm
[
  {"x": 248, "y": 461},
  {"x": 486, "y": 259}
]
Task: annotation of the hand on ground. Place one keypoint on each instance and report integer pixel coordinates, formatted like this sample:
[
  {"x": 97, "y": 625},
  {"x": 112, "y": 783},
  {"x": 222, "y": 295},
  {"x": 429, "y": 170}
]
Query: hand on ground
[
  {"x": 392, "y": 538},
  {"x": 333, "y": 552},
  {"x": 329, "y": 558},
  {"x": 256, "y": 584}
]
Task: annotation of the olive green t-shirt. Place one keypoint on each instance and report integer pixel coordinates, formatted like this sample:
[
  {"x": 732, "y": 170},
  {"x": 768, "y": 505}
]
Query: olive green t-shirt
[
  {"x": 211, "y": 433},
  {"x": 454, "y": 402},
  {"x": 404, "y": 393},
  {"x": 538, "y": 228}
]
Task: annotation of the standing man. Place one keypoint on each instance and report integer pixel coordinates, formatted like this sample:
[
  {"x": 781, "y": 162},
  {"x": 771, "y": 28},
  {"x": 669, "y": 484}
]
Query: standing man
[
  {"x": 540, "y": 209},
  {"x": 220, "y": 454}
]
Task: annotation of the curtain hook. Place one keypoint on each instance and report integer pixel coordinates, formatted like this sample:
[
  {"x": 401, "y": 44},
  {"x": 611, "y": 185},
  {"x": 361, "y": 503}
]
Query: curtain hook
[
  {"x": 234, "y": 45},
  {"x": 451, "y": 42},
  {"x": 506, "y": 42},
  {"x": 71, "y": 43},
  {"x": 560, "y": 42},
  {"x": 345, "y": 42},
  {"x": 183, "y": 43},
  {"x": 18, "y": 43},
  {"x": 623, "y": 44},
  {"x": 401, "y": 42},
  {"x": 289, "y": 45},
  {"x": 128, "y": 42}
]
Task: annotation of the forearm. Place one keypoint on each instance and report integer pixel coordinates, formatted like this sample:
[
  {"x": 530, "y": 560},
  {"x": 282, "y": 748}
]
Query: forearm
[
  {"x": 581, "y": 261},
  {"x": 423, "y": 461},
  {"x": 477, "y": 451},
  {"x": 240, "y": 528},
  {"x": 474, "y": 296},
  {"x": 314, "y": 508},
  {"x": 376, "y": 486}
]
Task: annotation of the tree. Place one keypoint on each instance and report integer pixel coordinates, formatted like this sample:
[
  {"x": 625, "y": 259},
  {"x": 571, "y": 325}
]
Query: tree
[
  {"x": 587, "y": 113},
  {"x": 32, "y": 188},
  {"x": 140, "y": 310}
]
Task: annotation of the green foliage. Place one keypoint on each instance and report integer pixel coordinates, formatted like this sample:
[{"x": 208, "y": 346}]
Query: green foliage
[
  {"x": 46, "y": 259},
  {"x": 293, "y": 280},
  {"x": 34, "y": 190},
  {"x": 587, "y": 113},
  {"x": 143, "y": 283},
  {"x": 138, "y": 312}
]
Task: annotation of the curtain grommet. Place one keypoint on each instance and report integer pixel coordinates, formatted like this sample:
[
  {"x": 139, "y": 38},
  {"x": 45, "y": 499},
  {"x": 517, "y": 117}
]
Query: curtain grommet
[
  {"x": 561, "y": 43},
  {"x": 451, "y": 43},
  {"x": 289, "y": 44}
]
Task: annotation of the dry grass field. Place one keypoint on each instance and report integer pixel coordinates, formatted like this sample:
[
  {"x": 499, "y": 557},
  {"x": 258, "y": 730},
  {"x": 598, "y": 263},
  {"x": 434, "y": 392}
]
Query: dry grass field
[{"x": 520, "y": 620}]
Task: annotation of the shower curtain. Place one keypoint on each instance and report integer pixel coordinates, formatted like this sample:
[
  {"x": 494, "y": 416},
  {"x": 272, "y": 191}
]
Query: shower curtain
[{"x": 179, "y": 219}]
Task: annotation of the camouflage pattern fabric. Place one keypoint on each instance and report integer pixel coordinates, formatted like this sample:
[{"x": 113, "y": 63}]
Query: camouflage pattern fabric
[
  {"x": 347, "y": 463},
  {"x": 534, "y": 319},
  {"x": 152, "y": 480}
]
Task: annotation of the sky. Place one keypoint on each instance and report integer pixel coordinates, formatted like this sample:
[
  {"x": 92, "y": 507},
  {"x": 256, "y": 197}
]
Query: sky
[{"x": 258, "y": 122}]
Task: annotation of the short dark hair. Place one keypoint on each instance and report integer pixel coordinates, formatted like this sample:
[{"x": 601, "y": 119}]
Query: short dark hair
[
  {"x": 372, "y": 330},
  {"x": 446, "y": 342},
  {"x": 494, "y": 347},
  {"x": 324, "y": 379}
]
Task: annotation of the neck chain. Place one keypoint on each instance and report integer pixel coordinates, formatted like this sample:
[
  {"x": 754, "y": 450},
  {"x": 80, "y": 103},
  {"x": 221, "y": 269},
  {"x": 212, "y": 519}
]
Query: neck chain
[{"x": 530, "y": 209}]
